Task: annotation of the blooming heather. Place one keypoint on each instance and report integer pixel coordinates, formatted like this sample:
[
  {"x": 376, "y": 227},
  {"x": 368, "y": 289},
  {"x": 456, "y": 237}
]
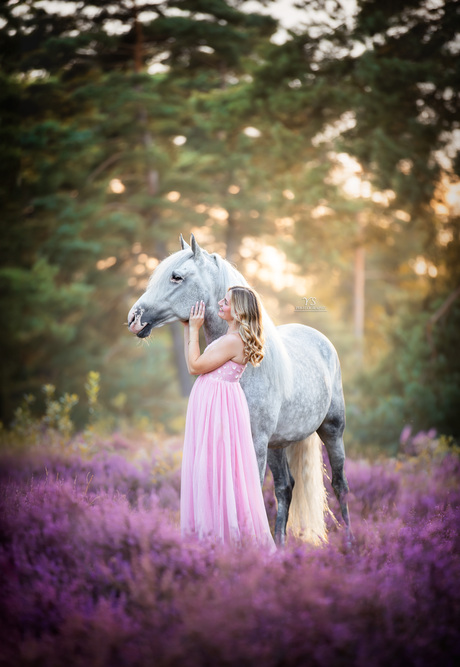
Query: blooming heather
[{"x": 94, "y": 572}]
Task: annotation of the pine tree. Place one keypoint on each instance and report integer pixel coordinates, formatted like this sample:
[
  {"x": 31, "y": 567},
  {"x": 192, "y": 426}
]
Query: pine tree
[
  {"x": 88, "y": 194},
  {"x": 394, "y": 108}
]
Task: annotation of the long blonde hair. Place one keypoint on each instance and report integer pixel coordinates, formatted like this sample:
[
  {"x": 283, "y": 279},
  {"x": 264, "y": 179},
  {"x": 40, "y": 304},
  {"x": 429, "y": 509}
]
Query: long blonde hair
[{"x": 246, "y": 309}]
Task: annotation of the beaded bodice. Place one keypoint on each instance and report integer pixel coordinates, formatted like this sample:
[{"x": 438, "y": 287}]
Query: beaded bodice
[{"x": 230, "y": 371}]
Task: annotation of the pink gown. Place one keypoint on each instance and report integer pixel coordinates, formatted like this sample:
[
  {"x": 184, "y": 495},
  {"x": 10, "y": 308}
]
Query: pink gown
[{"x": 221, "y": 496}]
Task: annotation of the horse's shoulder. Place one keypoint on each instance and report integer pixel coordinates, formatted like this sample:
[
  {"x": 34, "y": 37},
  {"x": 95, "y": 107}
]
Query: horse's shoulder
[
  {"x": 295, "y": 334},
  {"x": 298, "y": 330}
]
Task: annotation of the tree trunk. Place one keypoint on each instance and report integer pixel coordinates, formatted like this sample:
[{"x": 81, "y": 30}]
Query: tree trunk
[
  {"x": 184, "y": 377},
  {"x": 358, "y": 303}
]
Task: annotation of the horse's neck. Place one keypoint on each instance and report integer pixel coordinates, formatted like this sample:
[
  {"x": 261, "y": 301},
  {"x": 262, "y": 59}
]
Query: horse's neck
[
  {"x": 213, "y": 326},
  {"x": 277, "y": 364}
]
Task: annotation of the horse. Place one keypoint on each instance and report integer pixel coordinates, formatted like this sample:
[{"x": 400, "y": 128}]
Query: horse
[{"x": 295, "y": 396}]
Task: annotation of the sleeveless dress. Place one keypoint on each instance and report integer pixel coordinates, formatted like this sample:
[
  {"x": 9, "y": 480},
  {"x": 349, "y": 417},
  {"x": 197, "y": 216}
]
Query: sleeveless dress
[{"x": 221, "y": 496}]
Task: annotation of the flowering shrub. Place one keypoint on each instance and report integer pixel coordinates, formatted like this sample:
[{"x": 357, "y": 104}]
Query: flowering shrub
[{"x": 94, "y": 571}]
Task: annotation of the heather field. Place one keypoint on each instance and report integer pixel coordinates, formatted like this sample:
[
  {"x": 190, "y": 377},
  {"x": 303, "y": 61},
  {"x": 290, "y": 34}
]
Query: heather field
[{"x": 94, "y": 572}]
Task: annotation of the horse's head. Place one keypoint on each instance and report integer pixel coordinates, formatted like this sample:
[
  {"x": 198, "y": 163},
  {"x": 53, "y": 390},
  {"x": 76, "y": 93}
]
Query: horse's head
[{"x": 187, "y": 276}]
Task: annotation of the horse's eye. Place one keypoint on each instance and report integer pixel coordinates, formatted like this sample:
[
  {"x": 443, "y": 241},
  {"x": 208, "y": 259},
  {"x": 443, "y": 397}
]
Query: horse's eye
[{"x": 176, "y": 278}]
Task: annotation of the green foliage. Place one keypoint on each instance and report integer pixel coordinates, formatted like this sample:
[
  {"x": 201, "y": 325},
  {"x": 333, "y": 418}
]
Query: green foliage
[
  {"x": 92, "y": 389},
  {"x": 57, "y": 415},
  {"x": 55, "y": 427},
  {"x": 51, "y": 424},
  {"x": 80, "y": 111},
  {"x": 88, "y": 113},
  {"x": 411, "y": 385}
]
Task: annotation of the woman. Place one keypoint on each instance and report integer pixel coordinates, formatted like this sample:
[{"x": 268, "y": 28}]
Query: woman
[{"x": 221, "y": 495}]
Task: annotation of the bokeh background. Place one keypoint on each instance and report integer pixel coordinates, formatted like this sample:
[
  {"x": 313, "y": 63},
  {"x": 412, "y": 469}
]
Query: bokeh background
[{"x": 314, "y": 144}]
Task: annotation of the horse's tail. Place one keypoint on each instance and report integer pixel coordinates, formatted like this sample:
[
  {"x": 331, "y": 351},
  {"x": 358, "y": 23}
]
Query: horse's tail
[{"x": 309, "y": 499}]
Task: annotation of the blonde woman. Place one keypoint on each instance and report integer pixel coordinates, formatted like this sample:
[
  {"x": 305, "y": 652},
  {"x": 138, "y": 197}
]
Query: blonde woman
[{"x": 221, "y": 495}]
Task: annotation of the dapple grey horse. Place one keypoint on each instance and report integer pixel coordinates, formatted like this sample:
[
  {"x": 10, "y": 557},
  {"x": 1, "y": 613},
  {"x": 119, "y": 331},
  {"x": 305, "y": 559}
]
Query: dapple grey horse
[{"x": 294, "y": 396}]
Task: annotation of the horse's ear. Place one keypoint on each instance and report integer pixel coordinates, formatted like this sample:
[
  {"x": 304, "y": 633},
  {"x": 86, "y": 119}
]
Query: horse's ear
[
  {"x": 197, "y": 252},
  {"x": 184, "y": 245}
]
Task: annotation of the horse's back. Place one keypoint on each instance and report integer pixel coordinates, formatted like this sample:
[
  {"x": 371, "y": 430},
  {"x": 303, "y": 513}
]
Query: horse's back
[{"x": 305, "y": 344}]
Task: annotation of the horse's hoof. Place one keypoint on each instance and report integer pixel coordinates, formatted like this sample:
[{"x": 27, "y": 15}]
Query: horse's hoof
[
  {"x": 280, "y": 540},
  {"x": 350, "y": 541}
]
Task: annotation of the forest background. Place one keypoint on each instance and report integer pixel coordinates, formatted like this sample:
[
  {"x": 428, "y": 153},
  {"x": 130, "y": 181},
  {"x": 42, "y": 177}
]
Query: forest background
[{"x": 322, "y": 160}]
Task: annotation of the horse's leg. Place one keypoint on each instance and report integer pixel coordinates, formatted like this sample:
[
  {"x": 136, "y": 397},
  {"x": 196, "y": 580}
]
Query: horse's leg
[
  {"x": 331, "y": 433},
  {"x": 284, "y": 484}
]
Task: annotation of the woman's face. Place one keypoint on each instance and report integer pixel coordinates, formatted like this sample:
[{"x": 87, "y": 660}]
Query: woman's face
[{"x": 225, "y": 311}]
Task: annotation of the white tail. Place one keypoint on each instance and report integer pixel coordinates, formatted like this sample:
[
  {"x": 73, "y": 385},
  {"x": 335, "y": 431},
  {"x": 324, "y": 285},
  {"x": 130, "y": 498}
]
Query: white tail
[{"x": 309, "y": 499}]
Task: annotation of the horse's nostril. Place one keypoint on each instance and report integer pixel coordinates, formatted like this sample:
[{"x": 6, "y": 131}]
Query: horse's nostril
[{"x": 134, "y": 319}]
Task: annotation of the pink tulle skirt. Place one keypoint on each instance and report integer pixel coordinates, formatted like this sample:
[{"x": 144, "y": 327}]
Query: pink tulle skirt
[{"x": 221, "y": 496}]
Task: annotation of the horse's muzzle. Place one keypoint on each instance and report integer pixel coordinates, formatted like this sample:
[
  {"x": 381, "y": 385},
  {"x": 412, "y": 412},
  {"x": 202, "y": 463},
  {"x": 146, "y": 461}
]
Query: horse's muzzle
[
  {"x": 141, "y": 321},
  {"x": 138, "y": 322},
  {"x": 145, "y": 331}
]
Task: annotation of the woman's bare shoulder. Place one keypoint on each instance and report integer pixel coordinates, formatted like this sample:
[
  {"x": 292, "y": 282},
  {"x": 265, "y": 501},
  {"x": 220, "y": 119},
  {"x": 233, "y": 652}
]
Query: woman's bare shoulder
[
  {"x": 235, "y": 345},
  {"x": 229, "y": 341}
]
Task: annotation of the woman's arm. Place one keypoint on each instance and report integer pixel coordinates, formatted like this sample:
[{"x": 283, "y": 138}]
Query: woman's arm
[
  {"x": 225, "y": 348},
  {"x": 193, "y": 344}
]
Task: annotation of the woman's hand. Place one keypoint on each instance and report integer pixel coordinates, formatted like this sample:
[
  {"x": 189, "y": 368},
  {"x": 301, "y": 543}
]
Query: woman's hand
[{"x": 197, "y": 316}]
